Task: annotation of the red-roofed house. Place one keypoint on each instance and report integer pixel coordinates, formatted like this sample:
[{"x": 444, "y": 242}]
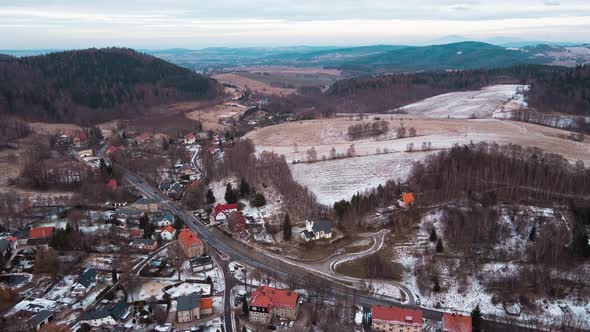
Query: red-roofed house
[
  {"x": 112, "y": 184},
  {"x": 407, "y": 200},
  {"x": 206, "y": 305},
  {"x": 40, "y": 235},
  {"x": 221, "y": 211},
  {"x": 236, "y": 222},
  {"x": 396, "y": 319},
  {"x": 168, "y": 233},
  {"x": 267, "y": 302},
  {"x": 456, "y": 323},
  {"x": 143, "y": 138},
  {"x": 136, "y": 233},
  {"x": 190, "y": 138},
  {"x": 190, "y": 243},
  {"x": 111, "y": 149}
]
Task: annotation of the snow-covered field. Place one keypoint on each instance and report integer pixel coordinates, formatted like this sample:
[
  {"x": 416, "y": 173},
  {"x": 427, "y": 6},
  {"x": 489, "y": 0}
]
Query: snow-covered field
[
  {"x": 485, "y": 103},
  {"x": 338, "y": 179},
  {"x": 189, "y": 287}
]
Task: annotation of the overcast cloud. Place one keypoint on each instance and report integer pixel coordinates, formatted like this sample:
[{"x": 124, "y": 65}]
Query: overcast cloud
[{"x": 32, "y": 24}]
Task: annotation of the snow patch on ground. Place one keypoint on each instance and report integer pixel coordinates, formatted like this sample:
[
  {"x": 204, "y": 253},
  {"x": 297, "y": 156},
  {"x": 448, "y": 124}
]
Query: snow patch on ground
[{"x": 492, "y": 101}]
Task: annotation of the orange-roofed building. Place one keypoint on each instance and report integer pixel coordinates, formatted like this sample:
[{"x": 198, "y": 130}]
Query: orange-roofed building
[
  {"x": 190, "y": 243},
  {"x": 396, "y": 319},
  {"x": 112, "y": 184},
  {"x": 206, "y": 305},
  {"x": 268, "y": 302},
  {"x": 111, "y": 149},
  {"x": 407, "y": 200},
  {"x": 168, "y": 233},
  {"x": 40, "y": 235},
  {"x": 456, "y": 323}
]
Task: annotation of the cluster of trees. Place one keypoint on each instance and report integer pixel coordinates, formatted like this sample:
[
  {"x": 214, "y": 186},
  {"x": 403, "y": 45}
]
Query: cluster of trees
[
  {"x": 489, "y": 172},
  {"x": 367, "y": 129},
  {"x": 267, "y": 169},
  {"x": 11, "y": 129},
  {"x": 257, "y": 199},
  {"x": 350, "y": 213},
  {"x": 93, "y": 85}
]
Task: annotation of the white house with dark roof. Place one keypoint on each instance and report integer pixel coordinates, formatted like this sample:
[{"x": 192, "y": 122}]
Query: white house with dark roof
[
  {"x": 188, "y": 307},
  {"x": 317, "y": 230},
  {"x": 85, "y": 282},
  {"x": 107, "y": 315}
]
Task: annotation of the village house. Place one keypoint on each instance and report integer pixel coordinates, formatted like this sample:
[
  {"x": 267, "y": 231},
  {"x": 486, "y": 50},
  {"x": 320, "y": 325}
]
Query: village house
[
  {"x": 200, "y": 264},
  {"x": 175, "y": 191},
  {"x": 407, "y": 200},
  {"x": 168, "y": 233},
  {"x": 162, "y": 220},
  {"x": 221, "y": 211},
  {"x": 107, "y": 315},
  {"x": 165, "y": 185},
  {"x": 188, "y": 307},
  {"x": 389, "y": 319},
  {"x": 144, "y": 244},
  {"x": 236, "y": 222},
  {"x": 267, "y": 302},
  {"x": 135, "y": 233},
  {"x": 112, "y": 184},
  {"x": 85, "y": 282},
  {"x": 190, "y": 243},
  {"x": 41, "y": 319},
  {"x": 40, "y": 235},
  {"x": 456, "y": 323},
  {"x": 85, "y": 154},
  {"x": 143, "y": 138},
  {"x": 203, "y": 135},
  {"x": 206, "y": 306},
  {"x": 146, "y": 204},
  {"x": 316, "y": 230},
  {"x": 128, "y": 215},
  {"x": 190, "y": 138},
  {"x": 111, "y": 149}
]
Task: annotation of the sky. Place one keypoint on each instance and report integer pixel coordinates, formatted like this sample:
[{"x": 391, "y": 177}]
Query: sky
[{"x": 159, "y": 24}]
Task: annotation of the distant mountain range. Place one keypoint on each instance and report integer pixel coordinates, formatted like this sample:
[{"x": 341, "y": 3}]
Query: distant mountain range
[
  {"x": 382, "y": 58},
  {"x": 441, "y": 55}
]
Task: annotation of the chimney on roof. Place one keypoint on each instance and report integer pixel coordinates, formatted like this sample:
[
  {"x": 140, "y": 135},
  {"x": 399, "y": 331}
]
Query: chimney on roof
[{"x": 409, "y": 319}]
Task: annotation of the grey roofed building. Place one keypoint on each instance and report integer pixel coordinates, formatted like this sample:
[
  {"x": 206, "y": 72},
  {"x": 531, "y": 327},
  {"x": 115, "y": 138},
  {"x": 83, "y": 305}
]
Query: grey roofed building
[
  {"x": 188, "y": 302},
  {"x": 203, "y": 260},
  {"x": 307, "y": 235},
  {"x": 87, "y": 277},
  {"x": 323, "y": 225},
  {"x": 41, "y": 317},
  {"x": 4, "y": 245},
  {"x": 115, "y": 310},
  {"x": 166, "y": 185},
  {"x": 169, "y": 216},
  {"x": 22, "y": 234}
]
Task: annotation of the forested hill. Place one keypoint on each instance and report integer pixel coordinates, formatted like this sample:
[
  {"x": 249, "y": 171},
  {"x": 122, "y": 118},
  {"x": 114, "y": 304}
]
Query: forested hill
[{"x": 94, "y": 85}]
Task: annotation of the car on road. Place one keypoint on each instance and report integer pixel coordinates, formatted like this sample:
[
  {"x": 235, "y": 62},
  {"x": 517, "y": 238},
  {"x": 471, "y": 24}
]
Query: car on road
[{"x": 291, "y": 324}]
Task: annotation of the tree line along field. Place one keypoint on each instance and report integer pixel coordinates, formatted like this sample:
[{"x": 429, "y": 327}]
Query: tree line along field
[{"x": 378, "y": 158}]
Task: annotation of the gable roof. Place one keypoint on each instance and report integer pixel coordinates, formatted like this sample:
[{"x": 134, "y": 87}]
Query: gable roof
[
  {"x": 115, "y": 310},
  {"x": 324, "y": 225},
  {"x": 136, "y": 232},
  {"x": 112, "y": 184},
  {"x": 40, "y": 232},
  {"x": 219, "y": 208},
  {"x": 111, "y": 149},
  {"x": 409, "y": 317},
  {"x": 456, "y": 323},
  {"x": 169, "y": 216},
  {"x": 188, "y": 238},
  {"x": 188, "y": 302},
  {"x": 169, "y": 229},
  {"x": 199, "y": 261},
  {"x": 40, "y": 317},
  {"x": 265, "y": 296},
  {"x": 87, "y": 277},
  {"x": 408, "y": 198},
  {"x": 190, "y": 136},
  {"x": 206, "y": 303}
]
